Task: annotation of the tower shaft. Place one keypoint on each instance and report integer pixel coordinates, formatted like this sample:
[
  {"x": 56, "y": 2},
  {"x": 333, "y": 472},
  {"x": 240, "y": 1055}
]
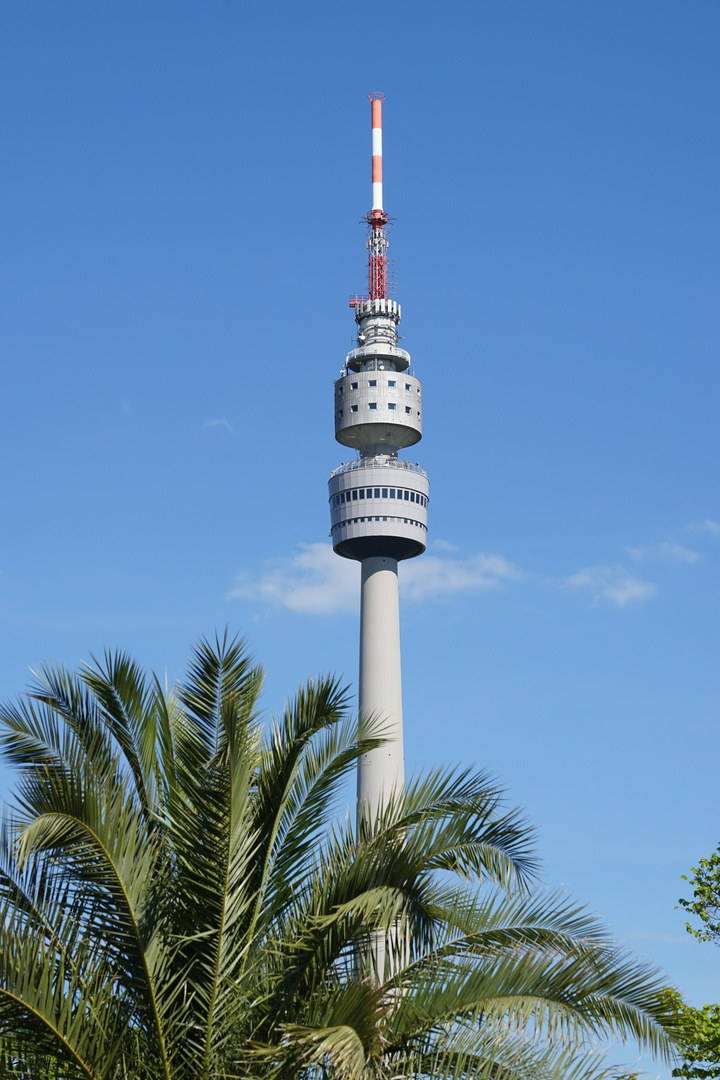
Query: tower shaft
[{"x": 380, "y": 687}]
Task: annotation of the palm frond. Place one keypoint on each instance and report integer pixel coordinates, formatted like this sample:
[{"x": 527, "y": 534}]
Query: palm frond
[{"x": 133, "y": 711}]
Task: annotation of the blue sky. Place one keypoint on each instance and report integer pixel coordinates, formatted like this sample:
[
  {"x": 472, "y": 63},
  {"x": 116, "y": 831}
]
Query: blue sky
[{"x": 182, "y": 189}]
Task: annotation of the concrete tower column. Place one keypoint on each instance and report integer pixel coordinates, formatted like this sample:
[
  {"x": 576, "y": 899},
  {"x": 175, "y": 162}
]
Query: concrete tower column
[
  {"x": 380, "y": 687},
  {"x": 379, "y": 501}
]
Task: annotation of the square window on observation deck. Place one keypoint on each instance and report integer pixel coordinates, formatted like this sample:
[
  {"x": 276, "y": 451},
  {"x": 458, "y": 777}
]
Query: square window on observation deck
[
  {"x": 372, "y": 405},
  {"x": 391, "y": 404},
  {"x": 372, "y": 382},
  {"x": 354, "y": 408},
  {"x": 391, "y": 382},
  {"x": 353, "y": 386}
]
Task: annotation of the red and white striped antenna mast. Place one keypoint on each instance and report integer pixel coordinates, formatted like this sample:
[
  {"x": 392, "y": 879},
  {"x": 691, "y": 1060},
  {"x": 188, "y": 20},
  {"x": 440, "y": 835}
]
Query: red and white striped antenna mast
[{"x": 377, "y": 218}]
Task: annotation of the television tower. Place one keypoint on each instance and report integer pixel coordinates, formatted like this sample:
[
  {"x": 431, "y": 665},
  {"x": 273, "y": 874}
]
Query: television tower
[{"x": 379, "y": 501}]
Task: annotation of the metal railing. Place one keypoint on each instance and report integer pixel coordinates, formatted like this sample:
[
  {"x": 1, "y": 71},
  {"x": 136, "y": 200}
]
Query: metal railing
[
  {"x": 382, "y": 350},
  {"x": 379, "y": 462}
]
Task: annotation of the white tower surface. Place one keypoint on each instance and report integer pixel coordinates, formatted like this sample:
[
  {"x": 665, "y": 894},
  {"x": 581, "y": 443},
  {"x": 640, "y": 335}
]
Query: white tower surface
[{"x": 379, "y": 501}]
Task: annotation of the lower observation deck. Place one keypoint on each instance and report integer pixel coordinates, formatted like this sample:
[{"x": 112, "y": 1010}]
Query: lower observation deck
[{"x": 379, "y": 506}]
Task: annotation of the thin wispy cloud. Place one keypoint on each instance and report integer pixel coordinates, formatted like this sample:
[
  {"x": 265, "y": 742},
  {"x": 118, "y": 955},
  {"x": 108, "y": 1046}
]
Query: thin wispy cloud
[
  {"x": 708, "y": 526},
  {"x": 675, "y": 939},
  {"x": 221, "y": 423},
  {"x": 313, "y": 582},
  {"x": 443, "y": 545},
  {"x": 666, "y": 552},
  {"x": 614, "y": 584},
  {"x": 316, "y": 582},
  {"x": 439, "y": 576}
]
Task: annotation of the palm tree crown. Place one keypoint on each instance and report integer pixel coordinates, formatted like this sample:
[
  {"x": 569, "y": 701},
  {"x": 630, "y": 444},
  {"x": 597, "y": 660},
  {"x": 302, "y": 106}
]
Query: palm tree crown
[{"x": 179, "y": 900}]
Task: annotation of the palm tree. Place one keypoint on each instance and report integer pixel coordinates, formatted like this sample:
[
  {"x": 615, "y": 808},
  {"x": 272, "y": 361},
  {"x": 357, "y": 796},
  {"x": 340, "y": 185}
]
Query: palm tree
[{"x": 179, "y": 900}]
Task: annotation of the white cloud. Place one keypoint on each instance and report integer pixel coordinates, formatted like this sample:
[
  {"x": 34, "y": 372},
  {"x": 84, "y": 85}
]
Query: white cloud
[
  {"x": 317, "y": 582},
  {"x": 613, "y": 583},
  {"x": 222, "y": 422},
  {"x": 712, "y": 527},
  {"x": 433, "y": 575},
  {"x": 443, "y": 545},
  {"x": 666, "y": 552}
]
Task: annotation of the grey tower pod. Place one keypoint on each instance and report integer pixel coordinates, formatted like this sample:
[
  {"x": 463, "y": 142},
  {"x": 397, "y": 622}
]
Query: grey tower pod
[
  {"x": 378, "y": 516},
  {"x": 378, "y": 502}
]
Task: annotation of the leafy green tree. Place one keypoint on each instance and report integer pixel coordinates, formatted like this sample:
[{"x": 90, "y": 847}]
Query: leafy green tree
[
  {"x": 705, "y": 904},
  {"x": 699, "y": 1029},
  {"x": 699, "y": 1037},
  {"x": 179, "y": 900}
]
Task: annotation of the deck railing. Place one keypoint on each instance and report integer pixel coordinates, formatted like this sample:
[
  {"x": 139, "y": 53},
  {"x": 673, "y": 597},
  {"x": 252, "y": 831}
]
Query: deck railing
[{"x": 379, "y": 462}]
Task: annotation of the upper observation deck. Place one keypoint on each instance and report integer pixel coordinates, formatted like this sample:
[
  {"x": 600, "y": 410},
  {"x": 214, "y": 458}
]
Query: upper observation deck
[{"x": 379, "y": 410}]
